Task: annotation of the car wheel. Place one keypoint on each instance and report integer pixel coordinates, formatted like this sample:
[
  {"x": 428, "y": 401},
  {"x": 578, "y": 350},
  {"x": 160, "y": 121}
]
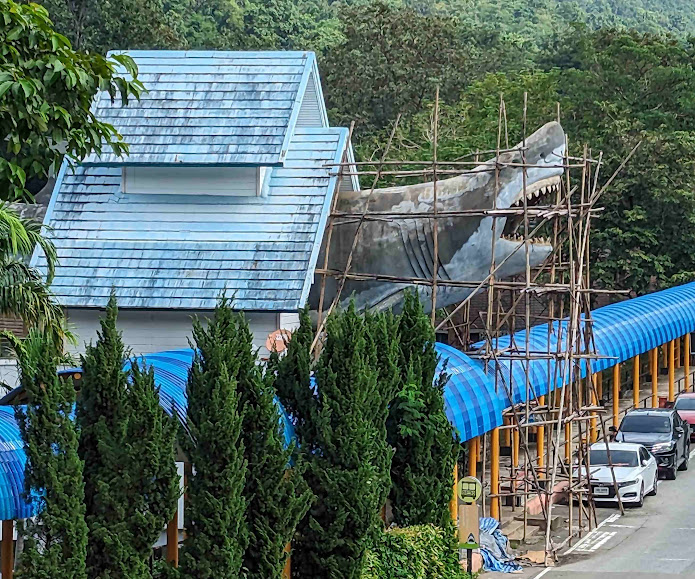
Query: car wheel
[
  {"x": 655, "y": 487},
  {"x": 641, "y": 496},
  {"x": 672, "y": 473},
  {"x": 686, "y": 459}
]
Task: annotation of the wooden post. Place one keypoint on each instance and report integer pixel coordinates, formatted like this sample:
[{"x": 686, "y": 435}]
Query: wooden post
[
  {"x": 473, "y": 456},
  {"x": 654, "y": 371},
  {"x": 505, "y": 437},
  {"x": 635, "y": 381},
  {"x": 540, "y": 442},
  {"x": 173, "y": 540},
  {"x": 671, "y": 371},
  {"x": 287, "y": 569},
  {"x": 686, "y": 361},
  {"x": 616, "y": 395},
  {"x": 495, "y": 473},
  {"x": 7, "y": 549},
  {"x": 454, "y": 500},
  {"x": 599, "y": 385}
]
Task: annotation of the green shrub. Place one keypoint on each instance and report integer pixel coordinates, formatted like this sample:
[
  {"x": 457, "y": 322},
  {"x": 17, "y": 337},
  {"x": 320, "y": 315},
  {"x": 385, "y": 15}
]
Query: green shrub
[{"x": 420, "y": 552}]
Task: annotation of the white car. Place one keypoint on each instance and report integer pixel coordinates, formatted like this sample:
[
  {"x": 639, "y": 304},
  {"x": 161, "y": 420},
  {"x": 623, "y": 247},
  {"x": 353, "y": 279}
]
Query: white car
[{"x": 636, "y": 472}]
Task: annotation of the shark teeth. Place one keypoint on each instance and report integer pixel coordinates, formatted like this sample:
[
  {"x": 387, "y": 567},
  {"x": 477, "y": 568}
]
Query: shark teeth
[
  {"x": 533, "y": 241},
  {"x": 540, "y": 189}
]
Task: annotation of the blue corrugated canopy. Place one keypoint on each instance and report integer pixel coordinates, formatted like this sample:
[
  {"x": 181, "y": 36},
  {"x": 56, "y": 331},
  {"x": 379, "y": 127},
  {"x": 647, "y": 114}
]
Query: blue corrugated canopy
[
  {"x": 12, "y": 461},
  {"x": 470, "y": 401}
]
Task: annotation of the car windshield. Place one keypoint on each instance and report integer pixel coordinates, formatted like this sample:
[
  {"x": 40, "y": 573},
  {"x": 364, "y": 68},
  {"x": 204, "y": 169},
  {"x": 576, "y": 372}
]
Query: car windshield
[
  {"x": 599, "y": 457},
  {"x": 685, "y": 404},
  {"x": 646, "y": 423}
]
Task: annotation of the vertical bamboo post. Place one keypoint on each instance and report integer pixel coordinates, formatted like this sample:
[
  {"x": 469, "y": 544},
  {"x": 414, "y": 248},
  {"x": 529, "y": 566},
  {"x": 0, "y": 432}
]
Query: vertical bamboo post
[
  {"x": 473, "y": 456},
  {"x": 671, "y": 370},
  {"x": 686, "y": 362},
  {"x": 7, "y": 549},
  {"x": 453, "y": 501},
  {"x": 172, "y": 554},
  {"x": 635, "y": 381},
  {"x": 540, "y": 441},
  {"x": 654, "y": 370},
  {"x": 616, "y": 395},
  {"x": 495, "y": 473}
]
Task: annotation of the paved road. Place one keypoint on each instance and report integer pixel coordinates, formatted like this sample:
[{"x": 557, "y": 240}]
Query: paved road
[{"x": 654, "y": 542}]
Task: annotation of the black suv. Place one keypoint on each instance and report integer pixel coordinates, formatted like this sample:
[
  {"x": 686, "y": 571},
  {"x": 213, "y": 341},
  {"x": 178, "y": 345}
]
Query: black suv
[{"x": 665, "y": 434}]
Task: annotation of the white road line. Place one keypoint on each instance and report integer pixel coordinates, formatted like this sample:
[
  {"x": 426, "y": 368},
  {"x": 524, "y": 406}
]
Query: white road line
[
  {"x": 590, "y": 537},
  {"x": 547, "y": 570},
  {"x": 622, "y": 526},
  {"x": 607, "y": 536},
  {"x": 692, "y": 453},
  {"x": 685, "y": 529}
]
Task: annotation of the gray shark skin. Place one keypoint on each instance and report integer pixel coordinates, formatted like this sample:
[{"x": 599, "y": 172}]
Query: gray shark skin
[{"x": 404, "y": 247}]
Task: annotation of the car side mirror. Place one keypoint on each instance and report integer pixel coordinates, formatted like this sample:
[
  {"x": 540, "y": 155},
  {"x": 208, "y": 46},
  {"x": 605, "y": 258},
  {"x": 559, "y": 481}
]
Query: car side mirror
[
  {"x": 613, "y": 429},
  {"x": 645, "y": 462},
  {"x": 679, "y": 430}
]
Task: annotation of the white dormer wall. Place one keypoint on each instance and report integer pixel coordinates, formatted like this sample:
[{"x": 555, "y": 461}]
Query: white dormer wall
[
  {"x": 310, "y": 111},
  {"x": 226, "y": 181}
]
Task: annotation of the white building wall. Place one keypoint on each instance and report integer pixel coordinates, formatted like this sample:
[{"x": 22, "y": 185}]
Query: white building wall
[
  {"x": 148, "y": 331},
  {"x": 310, "y": 111}
]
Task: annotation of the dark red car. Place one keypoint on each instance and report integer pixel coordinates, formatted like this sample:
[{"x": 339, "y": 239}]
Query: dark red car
[{"x": 685, "y": 405}]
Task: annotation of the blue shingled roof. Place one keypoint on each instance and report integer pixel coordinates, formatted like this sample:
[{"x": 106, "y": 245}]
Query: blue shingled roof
[
  {"x": 209, "y": 107},
  {"x": 181, "y": 251}
]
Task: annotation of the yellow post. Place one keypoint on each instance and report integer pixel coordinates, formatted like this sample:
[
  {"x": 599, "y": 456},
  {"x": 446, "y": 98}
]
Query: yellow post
[
  {"x": 540, "y": 442},
  {"x": 616, "y": 395},
  {"x": 686, "y": 361},
  {"x": 671, "y": 371},
  {"x": 172, "y": 554},
  {"x": 495, "y": 473},
  {"x": 677, "y": 348},
  {"x": 593, "y": 431},
  {"x": 568, "y": 442},
  {"x": 287, "y": 569},
  {"x": 454, "y": 501},
  {"x": 7, "y": 549},
  {"x": 654, "y": 371},
  {"x": 635, "y": 381},
  {"x": 472, "y": 456}
]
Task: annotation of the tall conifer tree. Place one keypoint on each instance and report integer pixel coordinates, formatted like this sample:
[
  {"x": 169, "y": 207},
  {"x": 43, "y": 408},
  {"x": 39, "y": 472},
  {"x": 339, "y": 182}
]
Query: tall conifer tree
[
  {"x": 127, "y": 445},
  {"x": 55, "y": 540},
  {"x": 426, "y": 449},
  {"x": 216, "y": 531},
  {"x": 342, "y": 434}
]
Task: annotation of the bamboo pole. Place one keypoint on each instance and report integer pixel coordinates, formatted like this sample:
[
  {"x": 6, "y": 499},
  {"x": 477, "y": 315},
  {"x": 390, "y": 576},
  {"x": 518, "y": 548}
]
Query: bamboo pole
[
  {"x": 7, "y": 549},
  {"x": 671, "y": 370},
  {"x": 616, "y": 395},
  {"x": 654, "y": 370},
  {"x": 495, "y": 473},
  {"x": 635, "y": 381},
  {"x": 686, "y": 361}
]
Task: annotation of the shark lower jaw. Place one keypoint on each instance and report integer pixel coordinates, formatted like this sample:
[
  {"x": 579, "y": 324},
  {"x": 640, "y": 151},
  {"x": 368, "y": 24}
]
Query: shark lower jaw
[{"x": 539, "y": 193}]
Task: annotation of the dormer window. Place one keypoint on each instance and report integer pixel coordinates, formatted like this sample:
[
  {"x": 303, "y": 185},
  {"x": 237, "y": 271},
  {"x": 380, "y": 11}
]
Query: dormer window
[{"x": 224, "y": 181}]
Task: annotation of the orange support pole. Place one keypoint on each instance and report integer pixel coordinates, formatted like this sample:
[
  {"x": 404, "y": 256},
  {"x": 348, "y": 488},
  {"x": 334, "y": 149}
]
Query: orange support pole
[
  {"x": 173, "y": 540},
  {"x": 635, "y": 381},
  {"x": 599, "y": 385},
  {"x": 686, "y": 361},
  {"x": 671, "y": 371},
  {"x": 678, "y": 352},
  {"x": 454, "y": 501},
  {"x": 654, "y": 371},
  {"x": 495, "y": 473},
  {"x": 568, "y": 442},
  {"x": 287, "y": 569},
  {"x": 593, "y": 431},
  {"x": 473, "y": 456},
  {"x": 540, "y": 442},
  {"x": 7, "y": 549},
  {"x": 616, "y": 395}
]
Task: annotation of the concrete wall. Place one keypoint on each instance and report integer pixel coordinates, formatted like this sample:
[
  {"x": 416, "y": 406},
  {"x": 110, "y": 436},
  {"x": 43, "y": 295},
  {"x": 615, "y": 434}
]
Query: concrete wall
[{"x": 147, "y": 331}]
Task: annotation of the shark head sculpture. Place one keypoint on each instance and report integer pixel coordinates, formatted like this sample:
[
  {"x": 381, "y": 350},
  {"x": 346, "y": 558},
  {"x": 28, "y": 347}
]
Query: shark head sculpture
[{"x": 404, "y": 248}]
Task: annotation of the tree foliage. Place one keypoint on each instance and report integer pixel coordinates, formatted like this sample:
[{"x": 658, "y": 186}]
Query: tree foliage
[
  {"x": 46, "y": 91},
  {"x": 426, "y": 448},
  {"x": 127, "y": 446},
  {"x": 216, "y": 528},
  {"x": 342, "y": 436},
  {"x": 55, "y": 540}
]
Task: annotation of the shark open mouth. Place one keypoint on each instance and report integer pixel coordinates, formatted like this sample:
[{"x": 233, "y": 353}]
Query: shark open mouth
[{"x": 541, "y": 192}]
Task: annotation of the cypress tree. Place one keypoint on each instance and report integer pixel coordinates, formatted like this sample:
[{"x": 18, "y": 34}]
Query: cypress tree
[
  {"x": 343, "y": 439},
  {"x": 55, "y": 540},
  {"x": 216, "y": 532},
  {"x": 127, "y": 445},
  {"x": 426, "y": 449},
  {"x": 277, "y": 496}
]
